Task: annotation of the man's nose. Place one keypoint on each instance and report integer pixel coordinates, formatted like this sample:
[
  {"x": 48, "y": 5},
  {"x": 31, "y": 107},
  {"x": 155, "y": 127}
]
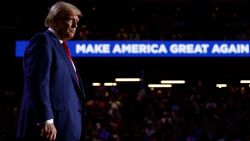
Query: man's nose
[{"x": 74, "y": 25}]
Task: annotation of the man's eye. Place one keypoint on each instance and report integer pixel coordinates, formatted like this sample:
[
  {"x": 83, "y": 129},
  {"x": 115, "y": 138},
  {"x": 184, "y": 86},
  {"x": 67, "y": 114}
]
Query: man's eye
[
  {"x": 69, "y": 20},
  {"x": 72, "y": 20}
]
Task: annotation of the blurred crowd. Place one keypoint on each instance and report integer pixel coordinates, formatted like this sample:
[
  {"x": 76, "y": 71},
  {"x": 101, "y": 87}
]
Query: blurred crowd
[
  {"x": 147, "y": 32},
  {"x": 166, "y": 22},
  {"x": 196, "y": 112},
  {"x": 180, "y": 113}
]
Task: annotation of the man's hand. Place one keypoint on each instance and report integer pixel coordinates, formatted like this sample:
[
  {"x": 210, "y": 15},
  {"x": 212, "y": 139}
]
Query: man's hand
[{"x": 48, "y": 131}]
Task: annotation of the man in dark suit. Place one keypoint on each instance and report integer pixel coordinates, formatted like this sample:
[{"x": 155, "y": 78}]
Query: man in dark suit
[{"x": 53, "y": 99}]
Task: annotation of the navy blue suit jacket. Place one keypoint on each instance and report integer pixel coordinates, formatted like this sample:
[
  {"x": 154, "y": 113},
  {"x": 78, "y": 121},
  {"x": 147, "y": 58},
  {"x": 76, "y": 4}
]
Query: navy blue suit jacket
[{"x": 51, "y": 90}]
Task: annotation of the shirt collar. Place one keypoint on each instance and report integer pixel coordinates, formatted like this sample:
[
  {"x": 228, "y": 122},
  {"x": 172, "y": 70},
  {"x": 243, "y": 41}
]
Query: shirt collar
[{"x": 54, "y": 32}]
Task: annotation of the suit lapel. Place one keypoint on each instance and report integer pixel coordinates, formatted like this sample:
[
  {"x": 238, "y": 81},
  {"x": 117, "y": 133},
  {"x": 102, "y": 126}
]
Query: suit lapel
[
  {"x": 80, "y": 83},
  {"x": 60, "y": 49}
]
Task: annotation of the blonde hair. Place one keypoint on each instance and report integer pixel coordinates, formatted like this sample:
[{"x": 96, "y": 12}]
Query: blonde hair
[{"x": 59, "y": 11}]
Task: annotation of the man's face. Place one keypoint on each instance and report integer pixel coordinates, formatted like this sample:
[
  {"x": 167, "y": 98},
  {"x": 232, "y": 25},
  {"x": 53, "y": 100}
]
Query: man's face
[{"x": 67, "y": 27}]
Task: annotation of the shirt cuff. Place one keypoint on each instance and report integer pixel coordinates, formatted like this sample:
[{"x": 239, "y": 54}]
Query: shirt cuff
[{"x": 49, "y": 121}]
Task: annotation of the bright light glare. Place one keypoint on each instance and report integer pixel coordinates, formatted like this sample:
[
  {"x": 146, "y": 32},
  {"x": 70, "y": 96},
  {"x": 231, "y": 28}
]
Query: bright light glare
[
  {"x": 159, "y": 85},
  {"x": 96, "y": 84},
  {"x": 244, "y": 81},
  {"x": 221, "y": 85},
  {"x": 173, "y": 81},
  {"x": 127, "y": 79},
  {"x": 109, "y": 84}
]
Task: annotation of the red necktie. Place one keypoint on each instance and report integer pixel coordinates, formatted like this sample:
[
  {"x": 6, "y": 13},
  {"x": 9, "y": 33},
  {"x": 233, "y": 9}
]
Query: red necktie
[{"x": 66, "y": 48}]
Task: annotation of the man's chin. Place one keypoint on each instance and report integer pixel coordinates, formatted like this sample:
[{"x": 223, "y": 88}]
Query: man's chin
[{"x": 71, "y": 35}]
